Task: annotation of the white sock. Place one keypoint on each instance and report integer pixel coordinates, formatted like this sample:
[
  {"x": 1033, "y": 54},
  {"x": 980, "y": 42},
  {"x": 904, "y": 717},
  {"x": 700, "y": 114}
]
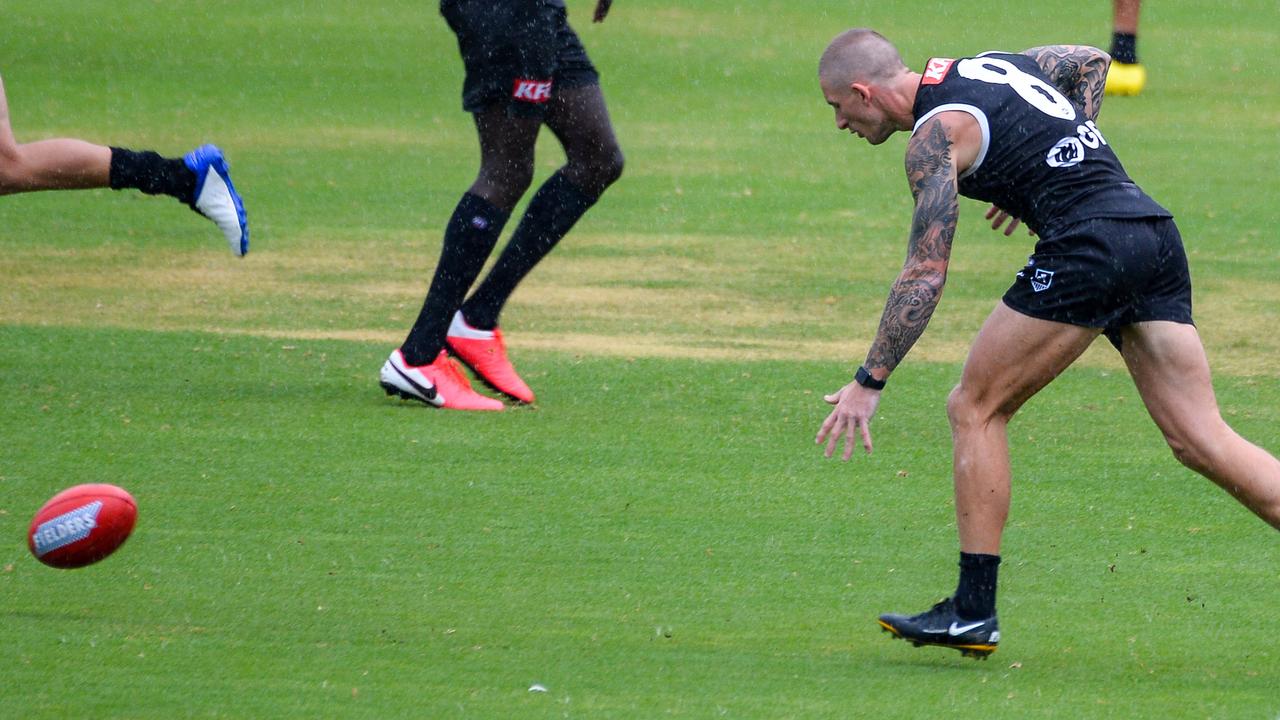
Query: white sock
[{"x": 460, "y": 329}]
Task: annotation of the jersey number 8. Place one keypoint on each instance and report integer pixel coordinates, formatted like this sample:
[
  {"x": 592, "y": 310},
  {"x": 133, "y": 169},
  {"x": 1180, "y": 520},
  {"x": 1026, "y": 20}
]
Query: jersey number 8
[{"x": 1042, "y": 96}]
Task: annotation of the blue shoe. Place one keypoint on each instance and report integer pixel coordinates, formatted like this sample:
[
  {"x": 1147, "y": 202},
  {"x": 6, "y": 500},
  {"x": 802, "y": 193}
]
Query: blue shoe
[{"x": 216, "y": 198}]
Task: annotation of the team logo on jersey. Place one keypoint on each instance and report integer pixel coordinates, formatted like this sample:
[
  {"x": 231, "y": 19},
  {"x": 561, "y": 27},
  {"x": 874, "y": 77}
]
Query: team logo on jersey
[
  {"x": 1041, "y": 280},
  {"x": 936, "y": 70},
  {"x": 1069, "y": 151},
  {"x": 531, "y": 91}
]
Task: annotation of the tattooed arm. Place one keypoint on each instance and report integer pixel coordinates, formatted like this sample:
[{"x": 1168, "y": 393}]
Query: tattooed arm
[
  {"x": 1079, "y": 71},
  {"x": 938, "y": 151},
  {"x": 931, "y": 171}
]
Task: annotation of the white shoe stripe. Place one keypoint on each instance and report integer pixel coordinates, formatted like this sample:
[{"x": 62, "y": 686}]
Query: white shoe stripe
[{"x": 215, "y": 203}]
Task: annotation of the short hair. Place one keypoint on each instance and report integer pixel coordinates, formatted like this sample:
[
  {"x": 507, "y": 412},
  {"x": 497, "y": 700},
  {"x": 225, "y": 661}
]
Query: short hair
[{"x": 860, "y": 55}]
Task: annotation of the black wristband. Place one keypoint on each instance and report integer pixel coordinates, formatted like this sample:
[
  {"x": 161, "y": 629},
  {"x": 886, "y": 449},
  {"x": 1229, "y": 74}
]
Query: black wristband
[{"x": 863, "y": 378}]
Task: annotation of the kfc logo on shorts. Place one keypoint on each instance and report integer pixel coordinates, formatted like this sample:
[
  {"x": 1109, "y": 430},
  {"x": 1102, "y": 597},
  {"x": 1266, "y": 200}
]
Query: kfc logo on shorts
[
  {"x": 532, "y": 91},
  {"x": 1041, "y": 280},
  {"x": 936, "y": 70}
]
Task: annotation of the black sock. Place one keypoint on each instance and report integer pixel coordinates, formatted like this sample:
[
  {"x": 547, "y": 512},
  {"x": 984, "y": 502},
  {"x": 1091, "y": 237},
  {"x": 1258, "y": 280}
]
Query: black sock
[
  {"x": 976, "y": 593},
  {"x": 152, "y": 174},
  {"x": 1124, "y": 47},
  {"x": 468, "y": 239},
  {"x": 551, "y": 213}
]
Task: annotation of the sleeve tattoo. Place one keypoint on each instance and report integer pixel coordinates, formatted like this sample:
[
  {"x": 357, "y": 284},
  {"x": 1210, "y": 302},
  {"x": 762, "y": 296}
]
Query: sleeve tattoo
[
  {"x": 1079, "y": 71},
  {"x": 916, "y": 292}
]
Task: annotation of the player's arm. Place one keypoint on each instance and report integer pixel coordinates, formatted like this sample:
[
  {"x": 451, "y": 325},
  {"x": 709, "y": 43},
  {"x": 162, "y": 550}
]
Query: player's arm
[
  {"x": 934, "y": 160},
  {"x": 1079, "y": 71},
  {"x": 932, "y": 175}
]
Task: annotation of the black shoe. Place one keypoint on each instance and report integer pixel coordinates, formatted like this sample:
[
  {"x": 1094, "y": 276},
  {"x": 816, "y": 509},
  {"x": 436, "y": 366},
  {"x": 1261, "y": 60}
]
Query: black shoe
[{"x": 941, "y": 626}]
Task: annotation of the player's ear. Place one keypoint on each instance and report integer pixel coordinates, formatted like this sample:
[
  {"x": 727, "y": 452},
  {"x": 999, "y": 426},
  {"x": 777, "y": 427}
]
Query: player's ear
[{"x": 862, "y": 90}]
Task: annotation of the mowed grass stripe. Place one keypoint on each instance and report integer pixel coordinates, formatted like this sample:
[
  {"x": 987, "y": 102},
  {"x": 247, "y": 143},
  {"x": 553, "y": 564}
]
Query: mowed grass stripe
[{"x": 613, "y": 296}]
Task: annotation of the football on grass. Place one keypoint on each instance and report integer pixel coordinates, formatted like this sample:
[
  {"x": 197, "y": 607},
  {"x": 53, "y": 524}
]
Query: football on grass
[{"x": 81, "y": 525}]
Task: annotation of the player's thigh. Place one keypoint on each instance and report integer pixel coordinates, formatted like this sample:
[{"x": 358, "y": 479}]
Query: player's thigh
[
  {"x": 506, "y": 138},
  {"x": 1169, "y": 368},
  {"x": 10, "y": 161},
  {"x": 1013, "y": 358},
  {"x": 7, "y": 143},
  {"x": 506, "y": 147},
  {"x": 580, "y": 120}
]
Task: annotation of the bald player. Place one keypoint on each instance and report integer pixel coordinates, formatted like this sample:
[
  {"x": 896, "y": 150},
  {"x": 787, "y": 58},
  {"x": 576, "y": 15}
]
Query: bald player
[{"x": 1019, "y": 131}]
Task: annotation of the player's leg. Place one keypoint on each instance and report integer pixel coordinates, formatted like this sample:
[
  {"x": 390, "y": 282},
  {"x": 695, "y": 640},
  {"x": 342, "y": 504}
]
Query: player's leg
[
  {"x": 420, "y": 368},
  {"x": 507, "y": 49},
  {"x": 1127, "y": 76},
  {"x": 580, "y": 120},
  {"x": 1169, "y": 367},
  {"x": 577, "y": 115},
  {"x": 506, "y": 156},
  {"x": 61, "y": 164},
  {"x": 1013, "y": 357},
  {"x": 506, "y": 169},
  {"x": 201, "y": 179}
]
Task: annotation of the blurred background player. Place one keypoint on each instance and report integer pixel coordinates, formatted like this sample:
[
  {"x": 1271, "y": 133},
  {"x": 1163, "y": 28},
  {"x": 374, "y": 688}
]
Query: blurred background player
[
  {"x": 1127, "y": 76},
  {"x": 525, "y": 67},
  {"x": 201, "y": 179}
]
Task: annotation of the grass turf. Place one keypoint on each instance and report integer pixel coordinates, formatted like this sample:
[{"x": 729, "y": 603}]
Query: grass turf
[
  {"x": 658, "y": 537},
  {"x": 307, "y": 548}
]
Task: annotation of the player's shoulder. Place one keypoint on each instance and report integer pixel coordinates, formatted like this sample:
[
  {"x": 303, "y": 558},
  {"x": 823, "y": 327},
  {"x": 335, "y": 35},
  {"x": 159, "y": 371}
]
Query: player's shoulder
[
  {"x": 1022, "y": 59},
  {"x": 939, "y": 69}
]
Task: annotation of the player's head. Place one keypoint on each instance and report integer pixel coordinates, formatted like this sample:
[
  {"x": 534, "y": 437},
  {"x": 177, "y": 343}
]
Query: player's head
[{"x": 857, "y": 73}]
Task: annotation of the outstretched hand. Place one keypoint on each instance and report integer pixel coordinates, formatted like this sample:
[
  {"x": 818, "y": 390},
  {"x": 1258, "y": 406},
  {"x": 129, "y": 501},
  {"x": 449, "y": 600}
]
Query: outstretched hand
[
  {"x": 854, "y": 407},
  {"x": 997, "y": 218},
  {"x": 602, "y": 9}
]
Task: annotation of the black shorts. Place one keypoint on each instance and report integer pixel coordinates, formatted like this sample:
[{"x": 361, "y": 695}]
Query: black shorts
[
  {"x": 516, "y": 51},
  {"x": 1107, "y": 273}
]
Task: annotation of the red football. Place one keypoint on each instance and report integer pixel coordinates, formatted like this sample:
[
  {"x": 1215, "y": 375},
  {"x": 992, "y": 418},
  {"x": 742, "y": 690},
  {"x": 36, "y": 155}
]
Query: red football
[{"x": 81, "y": 525}]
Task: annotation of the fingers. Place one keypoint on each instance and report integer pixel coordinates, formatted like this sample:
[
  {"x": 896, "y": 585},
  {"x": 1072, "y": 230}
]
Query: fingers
[
  {"x": 849, "y": 439},
  {"x": 845, "y": 422},
  {"x": 832, "y": 432},
  {"x": 827, "y": 426},
  {"x": 831, "y": 445},
  {"x": 998, "y": 217},
  {"x": 835, "y": 428}
]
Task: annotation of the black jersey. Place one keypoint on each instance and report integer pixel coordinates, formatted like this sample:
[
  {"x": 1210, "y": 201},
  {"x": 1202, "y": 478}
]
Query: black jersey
[{"x": 1041, "y": 160}]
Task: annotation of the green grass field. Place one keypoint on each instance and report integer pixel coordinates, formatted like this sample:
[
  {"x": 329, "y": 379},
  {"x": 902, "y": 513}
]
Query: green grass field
[{"x": 659, "y": 537}]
